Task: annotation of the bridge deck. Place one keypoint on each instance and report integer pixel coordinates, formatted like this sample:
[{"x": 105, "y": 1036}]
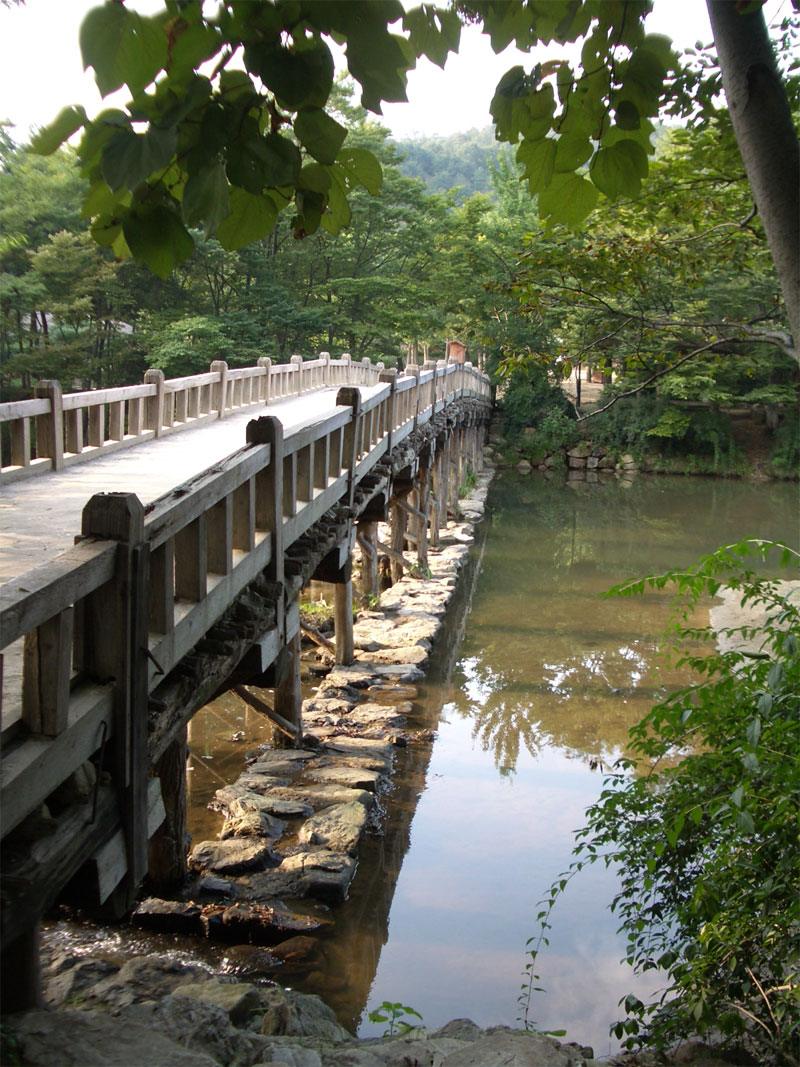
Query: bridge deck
[{"x": 41, "y": 517}]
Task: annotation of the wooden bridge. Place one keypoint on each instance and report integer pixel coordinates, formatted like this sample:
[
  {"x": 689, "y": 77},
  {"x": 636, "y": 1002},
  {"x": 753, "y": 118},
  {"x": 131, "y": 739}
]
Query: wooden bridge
[{"x": 173, "y": 593}]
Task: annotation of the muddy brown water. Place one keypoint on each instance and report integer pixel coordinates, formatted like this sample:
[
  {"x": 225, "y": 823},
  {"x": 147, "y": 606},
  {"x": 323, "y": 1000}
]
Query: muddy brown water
[{"x": 531, "y": 691}]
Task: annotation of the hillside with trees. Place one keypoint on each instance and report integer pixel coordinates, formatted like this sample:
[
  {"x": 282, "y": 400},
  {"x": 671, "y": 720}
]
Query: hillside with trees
[{"x": 461, "y": 161}]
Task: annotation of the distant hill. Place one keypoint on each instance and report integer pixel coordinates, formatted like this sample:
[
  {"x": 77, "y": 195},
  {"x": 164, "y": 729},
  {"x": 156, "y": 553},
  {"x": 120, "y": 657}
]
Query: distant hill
[{"x": 460, "y": 159}]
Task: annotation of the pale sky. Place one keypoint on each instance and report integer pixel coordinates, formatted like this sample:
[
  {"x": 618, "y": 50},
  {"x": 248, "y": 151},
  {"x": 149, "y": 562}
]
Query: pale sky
[{"x": 40, "y": 67}]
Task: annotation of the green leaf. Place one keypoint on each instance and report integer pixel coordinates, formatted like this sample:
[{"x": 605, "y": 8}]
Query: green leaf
[
  {"x": 379, "y": 61},
  {"x": 321, "y": 135},
  {"x": 433, "y": 33},
  {"x": 538, "y": 158},
  {"x": 250, "y": 219},
  {"x": 618, "y": 170},
  {"x": 572, "y": 152},
  {"x": 255, "y": 163},
  {"x": 51, "y": 137},
  {"x": 123, "y": 47},
  {"x": 158, "y": 238},
  {"x": 627, "y": 116},
  {"x": 568, "y": 199},
  {"x": 316, "y": 177},
  {"x": 519, "y": 108},
  {"x": 206, "y": 198},
  {"x": 191, "y": 45},
  {"x": 130, "y": 158},
  {"x": 299, "y": 76},
  {"x": 361, "y": 168}
]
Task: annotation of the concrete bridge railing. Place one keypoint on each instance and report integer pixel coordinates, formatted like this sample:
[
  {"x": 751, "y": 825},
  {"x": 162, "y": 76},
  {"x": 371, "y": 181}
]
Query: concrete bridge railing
[
  {"x": 98, "y": 628},
  {"x": 56, "y": 429}
]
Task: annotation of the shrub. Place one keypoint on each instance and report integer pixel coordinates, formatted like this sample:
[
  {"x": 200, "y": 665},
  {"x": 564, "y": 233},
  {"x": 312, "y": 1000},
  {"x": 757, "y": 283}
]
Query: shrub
[{"x": 704, "y": 827}]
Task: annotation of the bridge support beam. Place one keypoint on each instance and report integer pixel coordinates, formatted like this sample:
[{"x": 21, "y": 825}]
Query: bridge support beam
[
  {"x": 170, "y": 843},
  {"x": 368, "y": 543},
  {"x": 288, "y": 695},
  {"x": 21, "y": 972},
  {"x": 343, "y": 622}
]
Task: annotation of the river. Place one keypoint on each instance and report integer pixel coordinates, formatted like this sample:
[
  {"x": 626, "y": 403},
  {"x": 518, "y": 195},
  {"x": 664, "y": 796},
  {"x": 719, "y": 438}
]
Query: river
[{"x": 531, "y": 691}]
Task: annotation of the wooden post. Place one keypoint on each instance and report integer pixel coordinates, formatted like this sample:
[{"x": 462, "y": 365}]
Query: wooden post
[
  {"x": 47, "y": 668},
  {"x": 349, "y": 396},
  {"x": 21, "y": 972},
  {"x": 220, "y": 389},
  {"x": 436, "y": 499},
  {"x": 343, "y": 620},
  {"x": 368, "y": 543},
  {"x": 398, "y": 540},
  {"x": 166, "y": 857},
  {"x": 266, "y": 381},
  {"x": 297, "y": 361},
  {"x": 154, "y": 405},
  {"x": 115, "y": 646},
  {"x": 50, "y": 427},
  {"x": 288, "y": 695},
  {"x": 390, "y": 376},
  {"x": 269, "y": 488},
  {"x": 421, "y": 523}
]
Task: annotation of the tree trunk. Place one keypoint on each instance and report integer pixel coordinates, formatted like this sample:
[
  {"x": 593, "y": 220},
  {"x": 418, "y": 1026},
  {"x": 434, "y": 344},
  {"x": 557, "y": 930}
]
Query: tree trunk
[{"x": 762, "y": 123}]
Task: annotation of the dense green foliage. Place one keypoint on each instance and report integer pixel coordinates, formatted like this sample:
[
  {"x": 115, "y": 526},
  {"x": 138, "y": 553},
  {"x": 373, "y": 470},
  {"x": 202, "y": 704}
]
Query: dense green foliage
[
  {"x": 703, "y": 822},
  {"x": 227, "y": 151}
]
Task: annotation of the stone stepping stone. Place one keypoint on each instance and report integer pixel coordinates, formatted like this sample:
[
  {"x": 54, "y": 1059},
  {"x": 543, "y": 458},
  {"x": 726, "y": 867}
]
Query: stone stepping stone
[
  {"x": 231, "y": 856},
  {"x": 323, "y": 874},
  {"x": 364, "y": 752},
  {"x": 248, "y": 821},
  {"x": 350, "y": 777},
  {"x": 413, "y": 654},
  {"x": 338, "y": 828}
]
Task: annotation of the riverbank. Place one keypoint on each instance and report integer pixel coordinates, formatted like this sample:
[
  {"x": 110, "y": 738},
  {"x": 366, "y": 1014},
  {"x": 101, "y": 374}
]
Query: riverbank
[{"x": 155, "y": 1013}]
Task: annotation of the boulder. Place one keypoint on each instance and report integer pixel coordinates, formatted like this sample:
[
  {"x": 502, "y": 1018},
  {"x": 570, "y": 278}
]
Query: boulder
[
  {"x": 203, "y": 1027},
  {"x": 338, "y": 828},
  {"x": 85, "y": 1039},
  {"x": 248, "y": 821},
  {"x": 350, "y": 777},
  {"x": 300, "y": 1015},
  {"x": 143, "y": 978},
  {"x": 173, "y": 916},
  {"x": 231, "y": 856},
  {"x": 71, "y": 986},
  {"x": 257, "y": 923},
  {"x": 239, "y": 1000},
  {"x": 415, "y": 654},
  {"x": 322, "y": 874}
]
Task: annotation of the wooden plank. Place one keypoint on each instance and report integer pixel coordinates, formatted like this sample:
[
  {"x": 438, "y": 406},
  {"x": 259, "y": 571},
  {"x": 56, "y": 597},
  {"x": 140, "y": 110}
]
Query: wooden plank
[
  {"x": 32, "y": 768},
  {"x": 116, "y": 395},
  {"x": 116, "y": 420},
  {"x": 96, "y": 434},
  {"x": 191, "y": 565},
  {"x": 74, "y": 429},
  {"x": 40, "y": 593},
  {"x": 161, "y": 595},
  {"x": 244, "y": 516},
  {"x": 47, "y": 669},
  {"x": 21, "y": 443},
  {"x": 219, "y": 532},
  {"x": 23, "y": 409}
]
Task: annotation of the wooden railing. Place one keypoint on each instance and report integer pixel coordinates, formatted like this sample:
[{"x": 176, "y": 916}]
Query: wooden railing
[
  {"x": 93, "y": 631},
  {"x": 56, "y": 429}
]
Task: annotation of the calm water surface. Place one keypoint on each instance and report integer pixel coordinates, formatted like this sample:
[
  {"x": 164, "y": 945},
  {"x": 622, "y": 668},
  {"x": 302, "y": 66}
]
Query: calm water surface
[{"x": 530, "y": 689}]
